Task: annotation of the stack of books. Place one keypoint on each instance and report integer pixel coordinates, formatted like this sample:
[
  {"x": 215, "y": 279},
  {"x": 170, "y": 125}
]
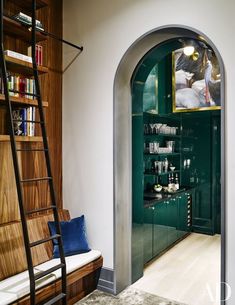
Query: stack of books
[
  {"x": 22, "y": 128},
  {"x": 18, "y": 56},
  {"x": 19, "y": 86},
  {"x": 25, "y": 19},
  {"x": 39, "y": 54},
  {"x": 28, "y": 58}
]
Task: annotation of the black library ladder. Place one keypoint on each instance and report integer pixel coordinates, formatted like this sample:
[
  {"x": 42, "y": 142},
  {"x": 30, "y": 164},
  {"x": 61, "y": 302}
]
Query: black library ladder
[{"x": 20, "y": 182}]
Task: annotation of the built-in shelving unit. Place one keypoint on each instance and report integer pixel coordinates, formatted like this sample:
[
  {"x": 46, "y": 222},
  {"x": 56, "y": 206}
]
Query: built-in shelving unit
[
  {"x": 23, "y": 67},
  {"x": 27, "y": 4},
  {"x": 21, "y": 101},
  {"x": 6, "y": 138},
  {"x": 20, "y": 31},
  {"x": 17, "y": 38}
]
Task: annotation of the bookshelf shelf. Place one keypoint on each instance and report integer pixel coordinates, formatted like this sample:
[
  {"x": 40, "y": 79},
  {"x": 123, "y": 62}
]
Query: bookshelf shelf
[
  {"x": 22, "y": 67},
  {"x": 22, "y": 101},
  {"x": 6, "y": 138},
  {"x": 27, "y": 4},
  {"x": 16, "y": 29}
]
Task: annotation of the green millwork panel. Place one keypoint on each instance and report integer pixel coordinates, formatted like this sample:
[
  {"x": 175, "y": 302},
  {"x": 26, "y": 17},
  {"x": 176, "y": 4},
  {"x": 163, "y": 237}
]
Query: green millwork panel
[
  {"x": 202, "y": 148},
  {"x": 160, "y": 228},
  {"x": 148, "y": 234},
  {"x": 182, "y": 202},
  {"x": 172, "y": 219}
]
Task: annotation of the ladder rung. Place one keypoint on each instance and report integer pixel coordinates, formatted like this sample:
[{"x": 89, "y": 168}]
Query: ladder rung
[
  {"x": 35, "y": 179},
  {"x": 56, "y": 299},
  {"x": 31, "y": 149},
  {"x": 46, "y": 272},
  {"x": 42, "y": 241},
  {"x": 41, "y": 210},
  {"x": 24, "y": 93},
  {"x": 28, "y": 121}
]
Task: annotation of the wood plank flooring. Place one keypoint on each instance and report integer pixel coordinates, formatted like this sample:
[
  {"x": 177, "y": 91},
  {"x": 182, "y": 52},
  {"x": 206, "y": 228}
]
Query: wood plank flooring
[{"x": 187, "y": 273}]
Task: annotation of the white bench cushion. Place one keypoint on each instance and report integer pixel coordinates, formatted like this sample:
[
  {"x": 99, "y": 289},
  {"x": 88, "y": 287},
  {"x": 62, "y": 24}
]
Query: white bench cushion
[{"x": 17, "y": 286}]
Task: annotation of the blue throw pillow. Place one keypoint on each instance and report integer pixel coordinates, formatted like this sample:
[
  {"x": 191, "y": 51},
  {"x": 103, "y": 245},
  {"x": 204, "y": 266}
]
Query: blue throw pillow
[{"x": 73, "y": 236}]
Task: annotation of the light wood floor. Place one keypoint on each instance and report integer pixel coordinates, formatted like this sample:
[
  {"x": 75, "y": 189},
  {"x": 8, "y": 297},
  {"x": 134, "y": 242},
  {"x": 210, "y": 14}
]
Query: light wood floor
[{"x": 188, "y": 273}]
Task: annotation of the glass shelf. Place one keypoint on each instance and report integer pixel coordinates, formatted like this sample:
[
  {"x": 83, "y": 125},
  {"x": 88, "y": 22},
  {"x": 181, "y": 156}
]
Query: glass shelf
[
  {"x": 162, "y": 135},
  {"x": 163, "y": 154},
  {"x": 161, "y": 174}
]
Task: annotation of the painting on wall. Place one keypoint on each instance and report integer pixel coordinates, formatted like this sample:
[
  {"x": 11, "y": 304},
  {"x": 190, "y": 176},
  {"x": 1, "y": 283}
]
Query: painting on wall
[
  {"x": 196, "y": 80},
  {"x": 150, "y": 93}
]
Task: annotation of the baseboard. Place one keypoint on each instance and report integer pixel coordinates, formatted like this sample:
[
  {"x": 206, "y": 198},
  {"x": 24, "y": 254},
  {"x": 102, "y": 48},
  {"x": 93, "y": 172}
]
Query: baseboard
[{"x": 106, "y": 281}]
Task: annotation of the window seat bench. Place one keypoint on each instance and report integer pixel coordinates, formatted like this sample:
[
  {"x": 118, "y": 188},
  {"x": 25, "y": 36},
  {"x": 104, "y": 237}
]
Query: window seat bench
[{"x": 82, "y": 272}]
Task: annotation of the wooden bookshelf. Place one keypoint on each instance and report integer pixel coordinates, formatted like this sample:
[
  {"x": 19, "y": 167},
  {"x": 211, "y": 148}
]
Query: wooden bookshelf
[
  {"x": 22, "y": 101},
  {"x": 27, "y": 4},
  {"x": 22, "y": 67},
  {"x": 17, "y": 38},
  {"x": 6, "y": 138},
  {"x": 20, "y": 31}
]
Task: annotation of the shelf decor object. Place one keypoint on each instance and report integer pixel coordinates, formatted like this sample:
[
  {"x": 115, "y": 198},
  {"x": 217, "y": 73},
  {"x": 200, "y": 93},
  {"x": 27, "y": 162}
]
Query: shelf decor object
[{"x": 196, "y": 83}]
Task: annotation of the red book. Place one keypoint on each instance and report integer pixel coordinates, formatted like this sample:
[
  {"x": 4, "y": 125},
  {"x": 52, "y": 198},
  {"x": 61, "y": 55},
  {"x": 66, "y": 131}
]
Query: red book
[{"x": 22, "y": 86}]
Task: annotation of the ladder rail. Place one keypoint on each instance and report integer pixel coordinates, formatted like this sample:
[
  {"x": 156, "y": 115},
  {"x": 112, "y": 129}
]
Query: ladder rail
[
  {"x": 46, "y": 153},
  {"x": 15, "y": 161}
]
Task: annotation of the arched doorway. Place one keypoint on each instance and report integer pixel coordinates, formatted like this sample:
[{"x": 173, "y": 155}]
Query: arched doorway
[{"x": 122, "y": 145}]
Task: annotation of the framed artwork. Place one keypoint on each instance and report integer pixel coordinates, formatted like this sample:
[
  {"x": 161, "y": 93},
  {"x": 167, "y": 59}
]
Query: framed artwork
[{"x": 196, "y": 81}]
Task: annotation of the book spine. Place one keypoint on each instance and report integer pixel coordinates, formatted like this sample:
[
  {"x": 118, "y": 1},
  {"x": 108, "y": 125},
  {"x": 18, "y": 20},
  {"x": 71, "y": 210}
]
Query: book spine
[
  {"x": 40, "y": 56},
  {"x": 11, "y": 84},
  {"x": 28, "y": 118},
  {"x": 33, "y": 118},
  {"x": 22, "y": 86},
  {"x": 30, "y": 124},
  {"x": 16, "y": 85},
  {"x": 31, "y": 87},
  {"x": 18, "y": 56},
  {"x": 24, "y": 127}
]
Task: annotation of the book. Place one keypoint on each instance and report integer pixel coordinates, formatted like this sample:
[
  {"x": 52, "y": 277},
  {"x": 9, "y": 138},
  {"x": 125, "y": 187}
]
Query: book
[
  {"x": 20, "y": 56},
  {"x": 23, "y": 18},
  {"x": 17, "y": 115},
  {"x": 39, "y": 54},
  {"x": 23, "y": 113}
]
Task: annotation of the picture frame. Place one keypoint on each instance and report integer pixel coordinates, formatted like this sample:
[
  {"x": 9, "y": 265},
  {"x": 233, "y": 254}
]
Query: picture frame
[{"x": 196, "y": 82}]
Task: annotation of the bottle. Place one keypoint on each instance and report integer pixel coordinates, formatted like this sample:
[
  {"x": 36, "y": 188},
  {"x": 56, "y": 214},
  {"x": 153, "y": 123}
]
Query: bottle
[
  {"x": 169, "y": 181},
  {"x": 177, "y": 186},
  {"x": 166, "y": 164}
]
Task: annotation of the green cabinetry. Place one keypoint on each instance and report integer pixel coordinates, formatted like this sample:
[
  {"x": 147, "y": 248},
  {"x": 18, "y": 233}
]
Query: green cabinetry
[
  {"x": 184, "y": 213},
  {"x": 165, "y": 222},
  {"x": 160, "y": 228},
  {"x": 148, "y": 233},
  {"x": 172, "y": 219}
]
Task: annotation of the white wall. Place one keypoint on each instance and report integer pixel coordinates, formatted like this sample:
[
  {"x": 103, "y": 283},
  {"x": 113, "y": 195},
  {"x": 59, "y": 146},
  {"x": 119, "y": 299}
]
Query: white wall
[{"x": 106, "y": 29}]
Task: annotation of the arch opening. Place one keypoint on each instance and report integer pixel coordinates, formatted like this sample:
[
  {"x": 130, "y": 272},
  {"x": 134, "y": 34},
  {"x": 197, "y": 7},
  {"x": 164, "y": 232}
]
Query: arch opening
[{"x": 144, "y": 48}]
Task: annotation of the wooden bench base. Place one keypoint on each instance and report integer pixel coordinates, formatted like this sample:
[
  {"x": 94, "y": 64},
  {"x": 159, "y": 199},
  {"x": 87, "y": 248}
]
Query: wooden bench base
[{"x": 79, "y": 283}]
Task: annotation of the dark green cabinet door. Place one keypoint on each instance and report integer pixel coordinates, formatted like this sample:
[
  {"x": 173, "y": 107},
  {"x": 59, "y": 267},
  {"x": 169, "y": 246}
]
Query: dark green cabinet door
[
  {"x": 182, "y": 202},
  {"x": 160, "y": 228},
  {"x": 148, "y": 234},
  {"x": 172, "y": 217},
  {"x": 202, "y": 210}
]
